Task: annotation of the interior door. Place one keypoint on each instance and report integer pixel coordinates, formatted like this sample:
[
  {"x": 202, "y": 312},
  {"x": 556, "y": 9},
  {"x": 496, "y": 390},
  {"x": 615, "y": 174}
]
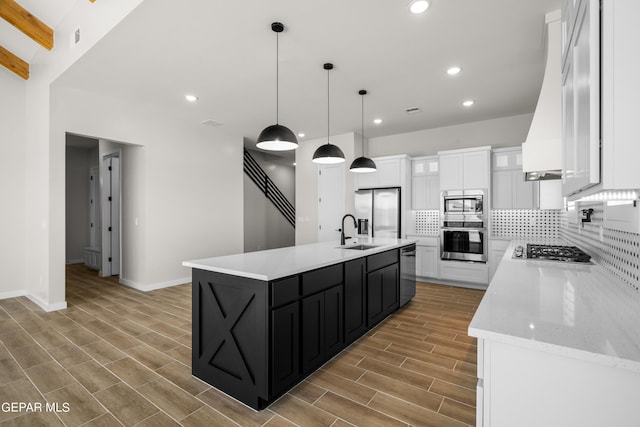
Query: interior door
[
  {"x": 331, "y": 203},
  {"x": 111, "y": 217}
]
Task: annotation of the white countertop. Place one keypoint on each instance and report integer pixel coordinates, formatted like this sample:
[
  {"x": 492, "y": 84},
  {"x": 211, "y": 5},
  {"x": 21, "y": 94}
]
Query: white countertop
[
  {"x": 277, "y": 263},
  {"x": 574, "y": 310}
]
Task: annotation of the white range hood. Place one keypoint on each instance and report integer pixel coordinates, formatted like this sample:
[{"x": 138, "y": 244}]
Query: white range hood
[{"x": 542, "y": 151}]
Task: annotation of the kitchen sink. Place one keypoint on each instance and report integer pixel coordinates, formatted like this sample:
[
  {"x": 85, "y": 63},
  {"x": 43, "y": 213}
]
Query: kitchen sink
[{"x": 360, "y": 247}]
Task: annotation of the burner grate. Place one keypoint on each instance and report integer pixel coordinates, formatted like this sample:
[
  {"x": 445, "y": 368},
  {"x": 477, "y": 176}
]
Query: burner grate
[{"x": 557, "y": 253}]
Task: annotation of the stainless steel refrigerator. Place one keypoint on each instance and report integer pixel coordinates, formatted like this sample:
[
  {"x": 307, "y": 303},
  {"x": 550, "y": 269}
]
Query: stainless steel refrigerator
[{"x": 378, "y": 212}]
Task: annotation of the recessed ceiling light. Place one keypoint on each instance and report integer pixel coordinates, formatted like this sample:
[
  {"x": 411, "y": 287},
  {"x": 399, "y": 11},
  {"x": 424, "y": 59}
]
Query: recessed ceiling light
[
  {"x": 377, "y": 121},
  {"x": 294, "y": 163},
  {"x": 418, "y": 6},
  {"x": 468, "y": 103},
  {"x": 191, "y": 98},
  {"x": 301, "y": 135},
  {"x": 453, "y": 71}
]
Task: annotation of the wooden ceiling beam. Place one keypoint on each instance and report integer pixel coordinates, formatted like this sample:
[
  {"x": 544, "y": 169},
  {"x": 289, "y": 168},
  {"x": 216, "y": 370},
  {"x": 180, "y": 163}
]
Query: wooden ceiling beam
[
  {"x": 24, "y": 21},
  {"x": 13, "y": 63}
]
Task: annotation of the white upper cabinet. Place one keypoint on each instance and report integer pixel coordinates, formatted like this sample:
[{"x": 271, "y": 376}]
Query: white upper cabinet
[
  {"x": 389, "y": 173},
  {"x": 425, "y": 180},
  {"x": 581, "y": 97},
  {"x": 451, "y": 172},
  {"x": 509, "y": 190},
  {"x": 620, "y": 89},
  {"x": 599, "y": 96},
  {"x": 465, "y": 169}
]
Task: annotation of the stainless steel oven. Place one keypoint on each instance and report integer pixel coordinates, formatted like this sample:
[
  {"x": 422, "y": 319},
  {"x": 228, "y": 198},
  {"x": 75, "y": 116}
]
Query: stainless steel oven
[
  {"x": 463, "y": 202},
  {"x": 463, "y": 231}
]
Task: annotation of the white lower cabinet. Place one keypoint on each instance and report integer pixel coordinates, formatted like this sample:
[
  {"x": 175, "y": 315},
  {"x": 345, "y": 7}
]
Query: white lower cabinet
[
  {"x": 427, "y": 256},
  {"x": 497, "y": 247},
  {"x": 527, "y": 387},
  {"x": 464, "y": 271}
]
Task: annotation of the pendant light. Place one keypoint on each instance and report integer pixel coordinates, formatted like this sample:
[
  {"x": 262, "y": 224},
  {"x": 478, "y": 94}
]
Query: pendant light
[
  {"x": 362, "y": 164},
  {"x": 277, "y": 137},
  {"x": 328, "y": 153}
]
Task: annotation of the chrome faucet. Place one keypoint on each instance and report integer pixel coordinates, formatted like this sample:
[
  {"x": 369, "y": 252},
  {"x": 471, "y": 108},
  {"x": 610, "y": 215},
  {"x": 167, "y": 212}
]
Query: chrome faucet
[{"x": 355, "y": 224}]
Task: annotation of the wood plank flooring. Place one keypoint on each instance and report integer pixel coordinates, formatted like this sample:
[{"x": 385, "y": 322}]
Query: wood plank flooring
[{"x": 118, "y": 356}]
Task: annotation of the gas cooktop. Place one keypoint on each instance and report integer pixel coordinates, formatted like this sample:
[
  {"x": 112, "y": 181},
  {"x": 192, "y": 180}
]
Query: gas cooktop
[{"x": 551, "y": 253}]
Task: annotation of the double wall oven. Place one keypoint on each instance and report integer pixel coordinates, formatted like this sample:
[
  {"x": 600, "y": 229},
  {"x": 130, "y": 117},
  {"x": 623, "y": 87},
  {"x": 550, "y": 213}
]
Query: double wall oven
[{"x": 463, "y": 231}]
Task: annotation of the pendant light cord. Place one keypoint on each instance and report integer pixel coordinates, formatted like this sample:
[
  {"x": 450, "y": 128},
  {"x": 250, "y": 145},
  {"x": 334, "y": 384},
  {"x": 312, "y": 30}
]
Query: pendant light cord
[
  {"x": 328, "y": 71},
  {"x": 277, "y": 78},
  {"x": 362, "y": 125}
]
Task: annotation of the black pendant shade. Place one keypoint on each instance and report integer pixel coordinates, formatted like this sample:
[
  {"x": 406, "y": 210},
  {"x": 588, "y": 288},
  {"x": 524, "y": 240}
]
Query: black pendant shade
[
  {"x": 277, "y": 137},
  {"x": 362, "y": 164},
  {"x": 328, "y": 153}
]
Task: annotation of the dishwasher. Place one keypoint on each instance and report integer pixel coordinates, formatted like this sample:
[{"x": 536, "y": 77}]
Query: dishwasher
[{"x": 407, "y": 274}]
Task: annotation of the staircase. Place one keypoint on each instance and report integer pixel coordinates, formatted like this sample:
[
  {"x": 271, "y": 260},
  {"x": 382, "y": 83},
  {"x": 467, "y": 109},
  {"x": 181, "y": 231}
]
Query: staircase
[{"x": 269, "y": 188}]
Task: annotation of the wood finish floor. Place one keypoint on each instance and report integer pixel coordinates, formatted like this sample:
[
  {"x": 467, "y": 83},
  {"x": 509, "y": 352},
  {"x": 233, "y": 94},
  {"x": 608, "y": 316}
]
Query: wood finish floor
[{"x": 122, "y": 357}]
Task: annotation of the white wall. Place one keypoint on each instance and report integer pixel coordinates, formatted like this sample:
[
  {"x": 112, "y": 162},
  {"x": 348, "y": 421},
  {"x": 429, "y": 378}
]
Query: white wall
[
  {"x": 264, "y": 226},
  {"x": 502, "y": 132},
  {"x": 45, "y": 159},
  {"x": 307, "y": 185},
  {"x": 12, "y": 185},
  {"x": 182, "y": 189}
]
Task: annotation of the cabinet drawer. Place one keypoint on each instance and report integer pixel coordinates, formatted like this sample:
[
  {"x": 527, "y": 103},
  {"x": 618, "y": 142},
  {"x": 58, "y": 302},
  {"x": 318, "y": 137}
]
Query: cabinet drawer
[
  {"x": 465, "y": 271},
  {"x": 321, "y": 279},
  {"x": 383, "y": 259},
  {"x": 284, "y": 291}
]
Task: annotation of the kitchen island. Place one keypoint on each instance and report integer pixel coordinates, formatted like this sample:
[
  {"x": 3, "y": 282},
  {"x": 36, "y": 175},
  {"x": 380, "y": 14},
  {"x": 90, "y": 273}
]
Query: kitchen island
[
  {"x": 558, "y": 345},
  {"x": 263, "y": 321}
]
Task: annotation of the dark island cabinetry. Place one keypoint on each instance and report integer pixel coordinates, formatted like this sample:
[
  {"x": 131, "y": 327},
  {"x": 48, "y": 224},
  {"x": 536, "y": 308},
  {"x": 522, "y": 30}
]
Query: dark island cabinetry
[{"x": 254, "y": 340}]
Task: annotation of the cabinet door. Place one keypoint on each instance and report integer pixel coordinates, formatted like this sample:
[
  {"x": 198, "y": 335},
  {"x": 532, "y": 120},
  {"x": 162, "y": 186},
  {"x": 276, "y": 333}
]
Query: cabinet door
[
  {"x": 419, "y": 192},
  {"x": 427, "y": 258},
  {"x": 502, "y": 190},
  {"x": 365, "y": 180},
  {"x": 390, "y": 288},
  {"x": 451, "y": 172},
  {"x": 333, "y": 321},
  {"x": 501, "y": 161},
  {"x": 476, "y": 169},
  {"x": 355, "y": 317},
  {"x": 523, "y": 191},
  {"x": 433, "y": 192},
  {"x": 585, "y": 52},
  {"x": 388, "y": 173},
  {"x": 382, "y": 293},
  {"x": 285, "y": 347},
  {"x": 312, "y": 320}
]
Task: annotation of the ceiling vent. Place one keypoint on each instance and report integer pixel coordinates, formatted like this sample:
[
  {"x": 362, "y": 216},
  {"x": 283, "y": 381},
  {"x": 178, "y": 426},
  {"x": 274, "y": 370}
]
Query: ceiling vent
[
  {"x": 211, "y": 123},
  {"x": 412, "y": 110}
]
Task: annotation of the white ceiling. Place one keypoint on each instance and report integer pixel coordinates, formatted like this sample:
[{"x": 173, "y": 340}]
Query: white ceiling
[
  {"x": 224, "y": 52},
  {"x": 50, "y": 13}
]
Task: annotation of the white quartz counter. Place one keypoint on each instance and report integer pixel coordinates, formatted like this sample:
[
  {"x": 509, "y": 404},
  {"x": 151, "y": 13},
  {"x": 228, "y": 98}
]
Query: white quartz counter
[
  {"x": 277, "y": 263},
  {"x": 579, "y": 311}
]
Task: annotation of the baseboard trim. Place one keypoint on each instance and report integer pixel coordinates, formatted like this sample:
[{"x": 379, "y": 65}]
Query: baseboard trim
[
  {"x": 75, "y": 261},
  {"x": 12, "y": 294},
  {"x": 154, "y": 286},
  {"x": 47, "y": 307}
]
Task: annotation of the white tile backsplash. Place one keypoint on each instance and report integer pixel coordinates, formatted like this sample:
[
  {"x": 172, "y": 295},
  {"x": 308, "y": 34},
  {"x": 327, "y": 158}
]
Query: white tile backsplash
[
  {"x": 525, "y": 223},
  {"x": 618, "y": 251}
]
